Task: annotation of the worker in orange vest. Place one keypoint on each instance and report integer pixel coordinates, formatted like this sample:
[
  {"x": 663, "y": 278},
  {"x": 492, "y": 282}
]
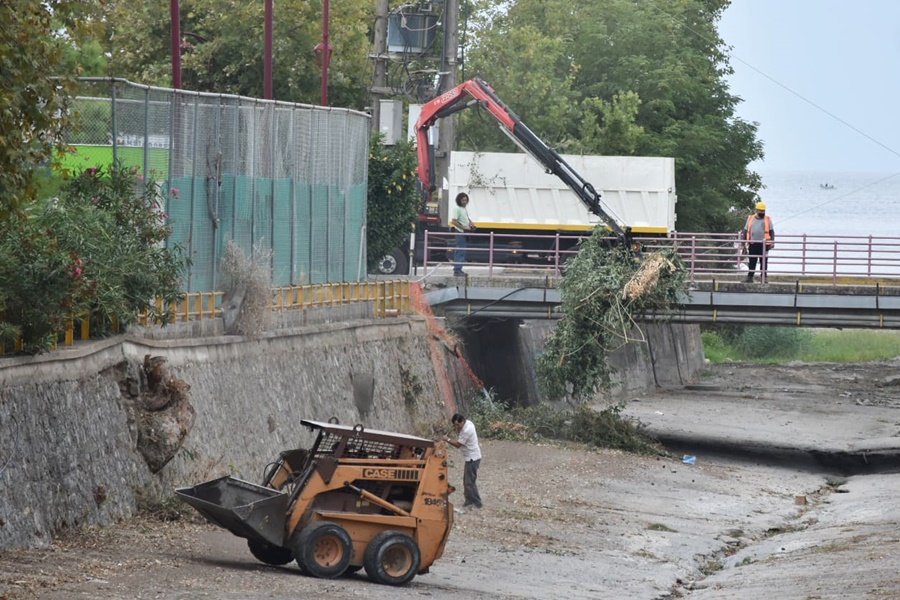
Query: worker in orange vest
[{"x": 758, "y": 237}]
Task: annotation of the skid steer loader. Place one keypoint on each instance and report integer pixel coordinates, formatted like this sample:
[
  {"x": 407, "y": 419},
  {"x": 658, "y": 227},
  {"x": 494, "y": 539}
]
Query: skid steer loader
[{"x": 357, "y": 498}]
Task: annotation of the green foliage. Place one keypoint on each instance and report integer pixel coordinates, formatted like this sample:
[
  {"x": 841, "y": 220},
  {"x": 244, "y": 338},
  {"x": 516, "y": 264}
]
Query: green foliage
[
  {"x": 222, "y": 47},
  {"x": 32, "y": 105},
  {"x": 716, "y": 348},
  {"x": 599, "y": 314},
  {"x": 130, "y": 264},
  {"x": 766, "y": 344},
  {"x": 95, "y": 251},
  {"x": 853, "y": 345},
  {"x": 600, "y": 429},
  {"x": 41, "y": 282},
  {"x": 84, "y": 59},
  {"x": 393, "y": 197},
  {"x": 773, "y": 342},
  {"x": 622, "y": 77},
  {"x": 609, "y": 127}
]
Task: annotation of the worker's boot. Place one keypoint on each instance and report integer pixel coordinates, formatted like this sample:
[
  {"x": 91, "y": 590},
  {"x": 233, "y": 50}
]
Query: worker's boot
[{"x": 749, "y": 278}]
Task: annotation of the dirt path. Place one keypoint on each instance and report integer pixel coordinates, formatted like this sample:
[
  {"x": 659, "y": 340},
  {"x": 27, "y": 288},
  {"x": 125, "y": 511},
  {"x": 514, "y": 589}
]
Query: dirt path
[{"x": 559, "y": 522}]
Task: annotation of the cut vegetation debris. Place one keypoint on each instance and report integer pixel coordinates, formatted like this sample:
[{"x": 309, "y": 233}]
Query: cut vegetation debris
[{"x": 602, "y": 289}]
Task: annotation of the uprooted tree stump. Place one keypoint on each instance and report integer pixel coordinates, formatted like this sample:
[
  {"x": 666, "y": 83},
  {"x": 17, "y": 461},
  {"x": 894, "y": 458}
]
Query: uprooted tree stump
[{"x": 163, "y": 416}]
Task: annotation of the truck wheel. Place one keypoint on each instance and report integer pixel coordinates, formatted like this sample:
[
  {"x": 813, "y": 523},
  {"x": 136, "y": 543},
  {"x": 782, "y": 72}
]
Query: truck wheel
[
  {"x": 392, "y": 558},
  {"x": 394, "y": 263},
  {"x": 269, "y": 554},
  {"x": 323, "y": 550}
]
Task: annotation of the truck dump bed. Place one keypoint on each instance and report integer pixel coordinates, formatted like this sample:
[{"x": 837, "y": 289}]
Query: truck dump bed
[{"x": 512, "y": 191}]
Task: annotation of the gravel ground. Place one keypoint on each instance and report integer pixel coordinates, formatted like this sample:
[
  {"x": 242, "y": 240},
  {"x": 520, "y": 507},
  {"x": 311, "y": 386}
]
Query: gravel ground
[{"x": 558, "y": 522}]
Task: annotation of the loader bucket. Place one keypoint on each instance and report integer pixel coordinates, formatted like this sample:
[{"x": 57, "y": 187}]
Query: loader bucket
[{"x": 245, "y": 509}]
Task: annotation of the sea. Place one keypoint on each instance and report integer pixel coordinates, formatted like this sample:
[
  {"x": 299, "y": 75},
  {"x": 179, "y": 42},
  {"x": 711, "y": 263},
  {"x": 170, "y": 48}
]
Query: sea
[{"x": 832, "y": 204}]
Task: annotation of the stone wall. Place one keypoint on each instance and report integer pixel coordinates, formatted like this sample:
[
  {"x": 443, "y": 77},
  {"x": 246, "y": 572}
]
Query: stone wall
[
  {"x": 70, "y": 419},
  {"x": 71, "y": 422}
]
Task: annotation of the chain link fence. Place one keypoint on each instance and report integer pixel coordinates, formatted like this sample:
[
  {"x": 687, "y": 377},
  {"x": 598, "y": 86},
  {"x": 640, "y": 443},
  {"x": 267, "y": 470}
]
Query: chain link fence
[{"x": 276, "y": 176}]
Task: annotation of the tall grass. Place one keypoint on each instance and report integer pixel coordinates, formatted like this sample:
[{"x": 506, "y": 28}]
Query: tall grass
[
  {"x": 779, "y": 344},
  {"x": 855, "y": 345}
]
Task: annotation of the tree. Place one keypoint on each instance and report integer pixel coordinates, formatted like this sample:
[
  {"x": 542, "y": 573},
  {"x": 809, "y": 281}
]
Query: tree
[
  {"x": 393, "y": 197},
  {"x": 95, "y": 252},
  {"x": 33, "y": 104},
  {"x": 624, "y": 77},
  {"x": 222, "y": 47}
]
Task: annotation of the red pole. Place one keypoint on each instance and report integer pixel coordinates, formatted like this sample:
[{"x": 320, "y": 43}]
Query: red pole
[
  {"x": 267, "y": 60},
  {"x": 176, "y": 43},
  {"x": 325, "y": 53}
]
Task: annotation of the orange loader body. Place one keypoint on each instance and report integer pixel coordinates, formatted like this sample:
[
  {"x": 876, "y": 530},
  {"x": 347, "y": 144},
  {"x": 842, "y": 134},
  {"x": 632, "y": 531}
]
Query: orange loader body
[{"x": 355, "y": 499}]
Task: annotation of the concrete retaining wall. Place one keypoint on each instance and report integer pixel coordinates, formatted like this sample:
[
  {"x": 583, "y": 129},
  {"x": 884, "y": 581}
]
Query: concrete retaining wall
[{"x": 505, "y": 352}]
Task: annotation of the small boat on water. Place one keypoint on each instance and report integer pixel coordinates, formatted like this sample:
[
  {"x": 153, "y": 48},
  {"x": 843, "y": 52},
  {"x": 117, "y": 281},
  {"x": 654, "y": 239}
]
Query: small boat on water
[{"x": 827, "y": 186}]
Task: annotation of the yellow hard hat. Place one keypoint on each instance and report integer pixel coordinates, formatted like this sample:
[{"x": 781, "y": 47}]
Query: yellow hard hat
[{"x": 760, "y": 206}]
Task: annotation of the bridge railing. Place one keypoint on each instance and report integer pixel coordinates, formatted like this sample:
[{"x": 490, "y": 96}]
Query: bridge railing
[{"x": 706, "y": 255}]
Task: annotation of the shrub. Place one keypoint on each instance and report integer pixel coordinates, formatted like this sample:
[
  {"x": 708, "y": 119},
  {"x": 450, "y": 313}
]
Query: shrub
[
  {"x": 247, "y": 280},
  {"x": 393, "y": 197},
  {"x": 773, "y": 342},
  {"x": 94, "y": 252}
]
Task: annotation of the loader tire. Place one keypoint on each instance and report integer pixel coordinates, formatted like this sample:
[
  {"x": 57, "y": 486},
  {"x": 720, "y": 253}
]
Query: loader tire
[
  {"x": 392, "y": 558},
  {"x": 269, "y": 554},
  {"x": 323, "y": 550}
]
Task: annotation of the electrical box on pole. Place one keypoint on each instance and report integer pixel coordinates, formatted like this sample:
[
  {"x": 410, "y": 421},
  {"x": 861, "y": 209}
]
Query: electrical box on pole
[{"x": 390, "y": 121}]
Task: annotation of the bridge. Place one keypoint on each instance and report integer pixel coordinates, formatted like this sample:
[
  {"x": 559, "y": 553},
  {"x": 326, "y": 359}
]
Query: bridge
[{"x": 811, "y": 281}]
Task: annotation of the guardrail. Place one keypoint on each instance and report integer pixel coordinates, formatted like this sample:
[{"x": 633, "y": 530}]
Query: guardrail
[
  {"x": 829, "y": 259},
  {"x": 389, "y": 298}
]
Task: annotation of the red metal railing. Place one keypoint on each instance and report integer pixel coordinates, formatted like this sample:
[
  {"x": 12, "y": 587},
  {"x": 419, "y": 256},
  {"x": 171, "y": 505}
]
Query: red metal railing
[{"x": 706, "y": 255}]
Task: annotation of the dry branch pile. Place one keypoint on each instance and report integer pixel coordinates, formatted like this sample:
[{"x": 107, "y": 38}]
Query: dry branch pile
[{"x": 602, "y": 290}]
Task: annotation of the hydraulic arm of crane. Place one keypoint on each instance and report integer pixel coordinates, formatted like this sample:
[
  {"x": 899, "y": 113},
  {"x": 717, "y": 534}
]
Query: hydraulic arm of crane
[{"x": 476, "y": 92}]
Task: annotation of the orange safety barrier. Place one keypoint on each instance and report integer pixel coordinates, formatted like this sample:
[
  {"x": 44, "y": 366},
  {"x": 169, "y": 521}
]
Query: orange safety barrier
[{"x": 438, "y": 336}]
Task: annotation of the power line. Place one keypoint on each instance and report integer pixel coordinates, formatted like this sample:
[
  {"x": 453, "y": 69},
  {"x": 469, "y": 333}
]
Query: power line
[
  {"x": 793, "y": 92},
  {"x": 732, "y": 55}
]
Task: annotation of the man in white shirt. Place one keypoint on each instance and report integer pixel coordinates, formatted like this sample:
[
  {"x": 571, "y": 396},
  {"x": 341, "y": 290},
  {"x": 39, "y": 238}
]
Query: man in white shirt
[{"x": 468, "y": 443}]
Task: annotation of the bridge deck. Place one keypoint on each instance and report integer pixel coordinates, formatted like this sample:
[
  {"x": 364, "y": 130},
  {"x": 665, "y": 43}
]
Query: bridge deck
[{"x": 803, "y": 301}]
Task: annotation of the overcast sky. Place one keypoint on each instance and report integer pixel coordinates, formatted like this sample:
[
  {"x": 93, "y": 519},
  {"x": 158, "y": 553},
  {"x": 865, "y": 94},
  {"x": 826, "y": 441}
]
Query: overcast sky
[{"x": 841, "y": 55}]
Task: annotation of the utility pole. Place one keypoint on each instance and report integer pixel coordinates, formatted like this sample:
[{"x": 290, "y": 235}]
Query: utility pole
[
  {"x": 379, "y": 82},
  {"x": 448, "y": 82}
]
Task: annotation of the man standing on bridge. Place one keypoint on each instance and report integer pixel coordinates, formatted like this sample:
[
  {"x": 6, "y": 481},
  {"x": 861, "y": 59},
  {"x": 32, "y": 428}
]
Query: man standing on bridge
[
  {"x": 759, "y": 238},
  {"x": 460, "y": 223}
]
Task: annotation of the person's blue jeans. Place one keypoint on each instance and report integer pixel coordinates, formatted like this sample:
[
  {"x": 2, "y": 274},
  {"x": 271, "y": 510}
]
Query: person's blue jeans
[{"x": 459, "y": 253}]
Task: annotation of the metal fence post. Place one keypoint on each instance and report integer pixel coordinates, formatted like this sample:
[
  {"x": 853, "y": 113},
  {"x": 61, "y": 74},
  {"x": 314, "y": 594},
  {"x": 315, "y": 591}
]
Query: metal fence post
[
  {"x": 834, "y": 264},
  {"x": 146, "y": 156},
  {"x": 869, "y": 261},
  {"x": 115, "y": 124}
]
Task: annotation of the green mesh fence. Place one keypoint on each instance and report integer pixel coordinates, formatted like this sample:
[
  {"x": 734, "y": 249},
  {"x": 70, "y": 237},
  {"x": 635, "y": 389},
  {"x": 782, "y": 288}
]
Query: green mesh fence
[{"x": 272, "y": 176}]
